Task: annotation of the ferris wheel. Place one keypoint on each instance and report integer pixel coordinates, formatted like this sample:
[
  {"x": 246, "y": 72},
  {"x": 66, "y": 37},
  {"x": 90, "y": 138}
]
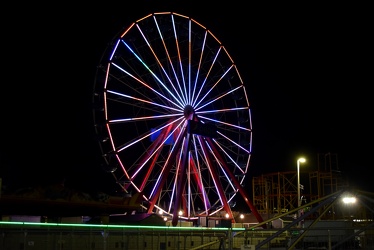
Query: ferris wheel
[{"x": 175, "y": 116}]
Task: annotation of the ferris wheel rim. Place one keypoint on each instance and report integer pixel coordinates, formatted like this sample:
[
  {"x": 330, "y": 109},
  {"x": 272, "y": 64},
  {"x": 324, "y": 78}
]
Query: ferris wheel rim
[{"x": 165, "y": 99}]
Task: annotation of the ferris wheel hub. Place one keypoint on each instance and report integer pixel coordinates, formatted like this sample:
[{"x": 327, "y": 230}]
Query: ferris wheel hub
[{"x": 188, "y": 110}]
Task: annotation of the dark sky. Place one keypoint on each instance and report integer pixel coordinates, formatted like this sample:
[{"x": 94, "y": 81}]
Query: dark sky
[{"x": 307, "y": 69}]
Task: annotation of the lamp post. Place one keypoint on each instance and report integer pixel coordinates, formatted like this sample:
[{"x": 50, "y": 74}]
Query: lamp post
[{"x": 300, "y": 160}]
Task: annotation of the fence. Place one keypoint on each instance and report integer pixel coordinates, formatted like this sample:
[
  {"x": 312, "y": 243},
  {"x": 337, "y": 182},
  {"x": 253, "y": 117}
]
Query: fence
[{"x": 60, "y": 236}]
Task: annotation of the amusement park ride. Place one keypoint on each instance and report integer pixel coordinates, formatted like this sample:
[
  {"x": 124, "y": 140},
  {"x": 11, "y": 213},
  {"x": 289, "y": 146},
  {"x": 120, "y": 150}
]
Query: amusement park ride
[{"x": 174, "y": 118}]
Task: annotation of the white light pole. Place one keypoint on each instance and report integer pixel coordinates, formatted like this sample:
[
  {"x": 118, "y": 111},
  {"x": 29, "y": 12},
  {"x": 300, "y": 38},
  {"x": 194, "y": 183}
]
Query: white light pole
[{"x": 300, "y": 160}]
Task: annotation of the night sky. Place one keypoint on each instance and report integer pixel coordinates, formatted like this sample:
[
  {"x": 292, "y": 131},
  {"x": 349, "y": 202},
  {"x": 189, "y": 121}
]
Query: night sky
[{"x": 306, "y": 68}]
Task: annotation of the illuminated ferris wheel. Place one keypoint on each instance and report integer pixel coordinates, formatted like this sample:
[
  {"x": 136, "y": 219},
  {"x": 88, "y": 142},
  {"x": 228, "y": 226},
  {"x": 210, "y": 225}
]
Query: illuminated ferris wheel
[{"x": 176, "y": 117}]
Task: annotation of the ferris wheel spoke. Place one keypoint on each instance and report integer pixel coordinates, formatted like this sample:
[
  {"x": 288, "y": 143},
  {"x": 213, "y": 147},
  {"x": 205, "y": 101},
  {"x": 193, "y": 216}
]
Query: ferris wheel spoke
[
  {"x": 195, "y": 86},
  {"x": 168, "y": 165},
  {"x": 152, "y": 153},
  {"x": 210, "y": 89},
  {"x": 146, "y": 118},
  {"x": 160, "y": 82},
  {"x": 203, "y": 84},
  {"x": 231, "y": 125},
  {"x": 198, "y": 175},
  {"x": 218, "y": 158},
  {"x": 177, "y": 45},
  {"x": 216, "y": 99},
  {"x": 181, "y": 92},
  {"x": 180, "y": 105},
  {"x": 166, "y": 74},
  {"x": 144, "y": 136},
  {"x": 215, "y": 177}
]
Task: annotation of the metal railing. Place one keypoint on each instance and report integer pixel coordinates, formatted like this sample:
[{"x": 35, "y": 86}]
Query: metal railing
[{"x": 49, "y": 236}]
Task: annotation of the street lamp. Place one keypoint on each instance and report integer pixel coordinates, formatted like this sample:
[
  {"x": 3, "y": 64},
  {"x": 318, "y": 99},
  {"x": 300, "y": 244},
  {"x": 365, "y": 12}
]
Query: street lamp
[{"x": 300, "y": 160}]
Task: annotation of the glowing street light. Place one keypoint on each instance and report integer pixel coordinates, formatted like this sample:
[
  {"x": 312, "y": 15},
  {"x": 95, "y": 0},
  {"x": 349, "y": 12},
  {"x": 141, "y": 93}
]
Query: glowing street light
[
  {"x": 300, "y": 160},
  {"x": 349, "y": 200}
]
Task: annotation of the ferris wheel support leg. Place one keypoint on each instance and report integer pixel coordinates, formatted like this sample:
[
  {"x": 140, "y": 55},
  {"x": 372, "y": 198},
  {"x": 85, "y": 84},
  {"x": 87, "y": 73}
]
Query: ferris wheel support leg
[
  {"x": 238, "y": 185},
  {"x": 250, "y": 205},
  {"x": 182, "y": 179},
  {"x": 163, "y": 179}
]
